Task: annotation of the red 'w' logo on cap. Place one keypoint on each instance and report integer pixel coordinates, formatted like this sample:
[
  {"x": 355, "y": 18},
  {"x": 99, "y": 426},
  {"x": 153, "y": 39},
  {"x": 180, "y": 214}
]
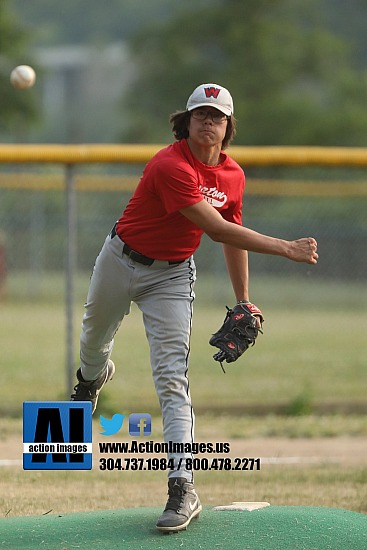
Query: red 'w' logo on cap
[{"x": 212, "y": 92}]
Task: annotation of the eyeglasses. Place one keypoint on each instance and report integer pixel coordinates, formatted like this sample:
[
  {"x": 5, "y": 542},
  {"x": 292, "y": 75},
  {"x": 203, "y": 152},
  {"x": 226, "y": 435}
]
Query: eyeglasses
[{"x": 216, "y": 116}]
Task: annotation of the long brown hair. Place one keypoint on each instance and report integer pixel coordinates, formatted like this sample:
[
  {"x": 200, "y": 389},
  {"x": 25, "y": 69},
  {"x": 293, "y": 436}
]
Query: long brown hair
[{"x": 180, "y": 123}]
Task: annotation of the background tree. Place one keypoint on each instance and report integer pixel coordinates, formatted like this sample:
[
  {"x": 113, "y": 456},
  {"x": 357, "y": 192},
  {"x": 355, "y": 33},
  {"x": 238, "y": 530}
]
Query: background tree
[
  {"x": 70, "y": 22},
  {"x": 296, "y": 67},
  {"x": 17, "y": 107},
  {"x": 349, "y": 20},
  {"x": 293, "y": 81}
]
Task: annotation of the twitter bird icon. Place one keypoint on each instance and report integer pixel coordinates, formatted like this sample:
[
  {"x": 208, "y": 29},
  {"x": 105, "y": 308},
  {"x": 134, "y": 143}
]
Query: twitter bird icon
[{"x": 112, "y": 426}]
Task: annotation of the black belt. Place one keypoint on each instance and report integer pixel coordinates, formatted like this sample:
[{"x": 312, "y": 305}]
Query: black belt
[{"x": 136, "y": 256}]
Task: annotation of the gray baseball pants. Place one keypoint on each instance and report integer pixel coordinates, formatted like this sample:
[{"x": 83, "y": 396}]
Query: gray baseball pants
[{"x": 164, "y": 293}]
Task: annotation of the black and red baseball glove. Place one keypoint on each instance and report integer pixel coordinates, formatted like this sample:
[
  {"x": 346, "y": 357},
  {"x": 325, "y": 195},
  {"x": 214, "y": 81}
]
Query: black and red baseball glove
[{"x": 239, "y": 331}]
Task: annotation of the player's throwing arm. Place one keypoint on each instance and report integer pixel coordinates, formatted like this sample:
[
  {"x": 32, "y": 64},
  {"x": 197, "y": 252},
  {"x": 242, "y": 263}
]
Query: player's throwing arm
[
  {"x": 243, "y": 322},
  {"x": 218, "y": 229}
]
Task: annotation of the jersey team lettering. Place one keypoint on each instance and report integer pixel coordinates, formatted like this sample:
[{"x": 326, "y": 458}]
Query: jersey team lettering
[
  {"x": 213, "y": 196},
  {"x": 191, "y": 464}
]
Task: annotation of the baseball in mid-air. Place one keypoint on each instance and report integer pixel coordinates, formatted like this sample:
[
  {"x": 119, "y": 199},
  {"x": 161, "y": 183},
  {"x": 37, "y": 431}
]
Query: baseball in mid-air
[{"x": 23, "y": 77}]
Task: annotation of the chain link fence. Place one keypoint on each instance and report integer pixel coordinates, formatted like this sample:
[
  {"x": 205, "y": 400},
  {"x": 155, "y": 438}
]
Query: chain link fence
[{"x": 34, "y": 224}]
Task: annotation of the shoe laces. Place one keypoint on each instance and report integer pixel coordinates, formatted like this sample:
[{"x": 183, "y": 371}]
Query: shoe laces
[
  {"x": 82, "y": 386},
  {"x": 176, "y": 494}
]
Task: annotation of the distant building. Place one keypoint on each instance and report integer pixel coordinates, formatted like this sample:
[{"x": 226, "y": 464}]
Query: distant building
[{"x": 81, "y": 89}]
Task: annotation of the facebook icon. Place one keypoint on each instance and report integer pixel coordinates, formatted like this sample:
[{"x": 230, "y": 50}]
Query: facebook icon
[{"x": 140, "y": 424}]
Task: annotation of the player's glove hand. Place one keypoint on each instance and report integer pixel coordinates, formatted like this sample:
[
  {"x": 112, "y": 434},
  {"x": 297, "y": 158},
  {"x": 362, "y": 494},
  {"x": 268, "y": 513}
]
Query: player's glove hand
[{"x": 239, "y": 331}]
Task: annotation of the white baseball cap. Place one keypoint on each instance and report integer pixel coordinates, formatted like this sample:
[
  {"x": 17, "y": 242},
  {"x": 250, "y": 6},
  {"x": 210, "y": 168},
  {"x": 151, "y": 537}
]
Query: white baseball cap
[{"x": 211, "y": 95}]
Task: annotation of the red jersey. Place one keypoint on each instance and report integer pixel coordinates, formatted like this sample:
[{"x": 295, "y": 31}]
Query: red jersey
[{"x": 173, "y": 179}]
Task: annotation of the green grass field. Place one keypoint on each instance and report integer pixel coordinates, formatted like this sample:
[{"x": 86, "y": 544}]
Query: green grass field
[
  {"x": 305, "y": 378},
  {"x": 295, "y": 359},
  {"x": 310, "y": 358}
]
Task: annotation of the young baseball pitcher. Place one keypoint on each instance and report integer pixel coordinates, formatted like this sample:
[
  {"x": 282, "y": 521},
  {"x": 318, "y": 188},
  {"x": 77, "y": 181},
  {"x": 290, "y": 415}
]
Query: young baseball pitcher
[{"x": 189, "y": 188}]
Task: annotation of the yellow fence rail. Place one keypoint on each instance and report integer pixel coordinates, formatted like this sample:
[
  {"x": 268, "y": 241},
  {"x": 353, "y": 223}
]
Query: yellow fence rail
[
  {"x": 102, "y": 183},
  {"x": 140, "y": 153}
]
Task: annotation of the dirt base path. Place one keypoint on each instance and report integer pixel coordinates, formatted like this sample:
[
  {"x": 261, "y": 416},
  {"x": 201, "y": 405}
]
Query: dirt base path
[{"x": 336, "y": 450}]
